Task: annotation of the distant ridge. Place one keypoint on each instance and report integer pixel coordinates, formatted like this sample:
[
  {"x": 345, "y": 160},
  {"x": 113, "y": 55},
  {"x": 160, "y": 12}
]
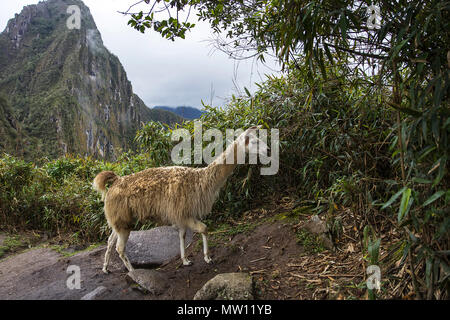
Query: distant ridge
[{"x": 186, "y": 112}]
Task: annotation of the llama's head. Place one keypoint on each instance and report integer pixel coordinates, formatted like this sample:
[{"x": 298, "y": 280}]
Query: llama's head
[{"x": 251, "y": 142}]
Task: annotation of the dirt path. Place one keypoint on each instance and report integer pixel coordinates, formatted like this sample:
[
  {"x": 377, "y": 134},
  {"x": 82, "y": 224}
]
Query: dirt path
[
  {"x": 42, "y": 274},
  {"x": 268, "y": 249}
]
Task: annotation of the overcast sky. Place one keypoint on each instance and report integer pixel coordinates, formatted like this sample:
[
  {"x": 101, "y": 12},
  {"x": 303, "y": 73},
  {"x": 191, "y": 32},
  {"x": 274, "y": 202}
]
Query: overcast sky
[{"x": 163, "y": 72}]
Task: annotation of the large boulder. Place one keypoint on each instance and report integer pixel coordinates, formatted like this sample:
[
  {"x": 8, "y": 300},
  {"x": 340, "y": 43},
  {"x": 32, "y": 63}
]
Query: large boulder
[
  {"x": 227, "y": 286},
  {"x": 152, "y": 281},
  {"x": 152, "y": 248}
]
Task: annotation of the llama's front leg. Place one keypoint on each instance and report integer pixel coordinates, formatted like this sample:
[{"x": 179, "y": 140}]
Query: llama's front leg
[
  {"x": 182, "y": 234},
  {"x": 200, "y": 227}
]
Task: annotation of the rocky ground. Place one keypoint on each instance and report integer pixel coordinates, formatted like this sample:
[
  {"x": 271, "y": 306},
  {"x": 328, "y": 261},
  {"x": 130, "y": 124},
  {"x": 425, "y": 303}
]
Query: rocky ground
[{"x": 272, "y": 246}]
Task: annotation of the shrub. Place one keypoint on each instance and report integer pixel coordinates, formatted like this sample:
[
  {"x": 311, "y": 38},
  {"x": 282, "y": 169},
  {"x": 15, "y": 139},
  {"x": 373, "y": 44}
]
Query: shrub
[{"x": 58, "y": 196}]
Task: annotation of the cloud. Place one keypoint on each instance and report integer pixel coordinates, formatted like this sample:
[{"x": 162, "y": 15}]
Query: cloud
[{"x": 163, "y": 72}]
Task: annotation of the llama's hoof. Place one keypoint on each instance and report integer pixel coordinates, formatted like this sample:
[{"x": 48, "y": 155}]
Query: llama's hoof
[
  {"x": 186, "y": 262},
  {"x": 208, "y": 259},
  {"x": 105, "y": 270}
]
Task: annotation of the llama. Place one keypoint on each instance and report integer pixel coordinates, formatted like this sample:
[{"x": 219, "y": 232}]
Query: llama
[{"x": 175, "y": 195}]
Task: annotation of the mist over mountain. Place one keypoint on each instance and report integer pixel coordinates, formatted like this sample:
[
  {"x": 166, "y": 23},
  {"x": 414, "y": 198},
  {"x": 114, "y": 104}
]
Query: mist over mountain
[{"x": 62, "y": 91}]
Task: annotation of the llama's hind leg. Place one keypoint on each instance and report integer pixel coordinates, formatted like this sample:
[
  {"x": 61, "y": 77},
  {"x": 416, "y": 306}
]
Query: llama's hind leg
[
  {"x": 182, "y": 234},
  {"x": 200, "y": 227},
  {"x": 111, "y": 241},
  {"x": 120, "y": 247}
]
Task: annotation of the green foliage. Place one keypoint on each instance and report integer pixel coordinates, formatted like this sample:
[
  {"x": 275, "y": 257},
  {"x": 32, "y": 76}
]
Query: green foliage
[
  {"x": 312, "y": 243},
  {"x": 154, "y": 138},
  {"x": 318, "y": 29},
  {"x": 411, "y": 46},
  {"x": 339, "y": 146},
  {"x": 170, "y": 28},
  {"x": 42, "y": 26},
  {"x": 363, "y": 119},
  {"x": 372, "y": 247},
  {"x": 58, "y": 196},
  {"x": 61, "y": 168},
  {"x": 10, "y": 244}
]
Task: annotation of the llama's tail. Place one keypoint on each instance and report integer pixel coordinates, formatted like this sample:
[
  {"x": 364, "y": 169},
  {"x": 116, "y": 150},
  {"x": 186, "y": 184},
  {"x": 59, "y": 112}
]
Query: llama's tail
[{"x": 102, "y": 179}]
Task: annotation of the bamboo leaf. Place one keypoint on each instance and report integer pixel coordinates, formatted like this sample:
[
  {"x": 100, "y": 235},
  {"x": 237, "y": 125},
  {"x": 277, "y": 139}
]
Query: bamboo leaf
[
  {"x": 441, "y": 172},
  {"x": 374, "y": 249},
  {"x": 398, "y": 48},
  {"x": 426, "y": 151},
  {"x": 428, "y": 265},
  {"x": 433, "y": 198},
  {"x": 421, "y": 180},
  {"x": 247, "y": 92},
  {"x": 405, "y": 204},
  {"x": 393, "y": 198}
]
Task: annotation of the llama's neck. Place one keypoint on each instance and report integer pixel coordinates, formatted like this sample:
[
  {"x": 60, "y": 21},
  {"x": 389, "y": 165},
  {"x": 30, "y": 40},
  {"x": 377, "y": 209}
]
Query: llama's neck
[{"x": 219, "y": 170}]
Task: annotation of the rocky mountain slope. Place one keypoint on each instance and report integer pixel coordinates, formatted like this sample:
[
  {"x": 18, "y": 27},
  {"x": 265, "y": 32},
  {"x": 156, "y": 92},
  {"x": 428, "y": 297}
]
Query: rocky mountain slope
[{"x": 62, "y": 91}]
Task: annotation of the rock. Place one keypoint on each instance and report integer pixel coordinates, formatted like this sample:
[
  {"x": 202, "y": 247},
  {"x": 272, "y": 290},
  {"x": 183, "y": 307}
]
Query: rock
[
  {"x": 151, "y": 280},
  {"x": 316, "y": 226},
  {"x": 227, "y": 286},
  {"x": 327, "y": 243},
  {"x": 94, "y": 294},
  {"x": 151, "y": 248}
]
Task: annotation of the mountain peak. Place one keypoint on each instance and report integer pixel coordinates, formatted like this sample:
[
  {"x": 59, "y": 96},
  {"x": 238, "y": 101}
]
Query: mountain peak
[
  {"x": 46, "y": 17},
  {"x": 67, "y": 92}
]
